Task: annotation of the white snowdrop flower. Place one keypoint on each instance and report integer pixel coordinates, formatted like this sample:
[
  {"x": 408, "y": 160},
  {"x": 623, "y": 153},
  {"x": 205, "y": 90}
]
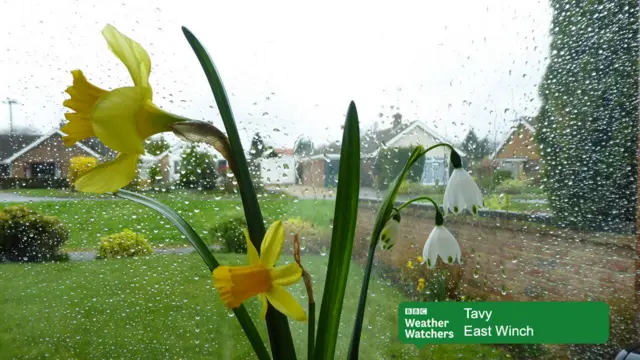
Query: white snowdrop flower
[
  {"x": 441, "y": 243},
  {"x": 390, "y": 233},
  {"x": 461, "y": 192}
]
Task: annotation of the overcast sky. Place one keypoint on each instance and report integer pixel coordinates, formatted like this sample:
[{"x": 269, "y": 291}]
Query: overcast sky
[{"x": 290, "y": 69}]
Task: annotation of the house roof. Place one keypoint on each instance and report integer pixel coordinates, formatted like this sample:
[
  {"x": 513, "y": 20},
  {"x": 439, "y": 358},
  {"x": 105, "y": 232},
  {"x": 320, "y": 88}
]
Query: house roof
[
  {"x": 12, "y": 146},
  {"x": 371, "y": 141},
  {"x": 418, "y": 124},
  {"x": 525, "y": 121},
  {"x": 12, "y": 143}
]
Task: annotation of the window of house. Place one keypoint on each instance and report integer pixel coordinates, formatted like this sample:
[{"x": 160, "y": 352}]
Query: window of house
[{"x": 5, "y": 170}]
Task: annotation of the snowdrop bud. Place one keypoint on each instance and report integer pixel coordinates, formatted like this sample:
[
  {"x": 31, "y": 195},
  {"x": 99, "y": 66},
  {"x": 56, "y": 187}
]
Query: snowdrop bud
[{"x": 390, "y": 233}]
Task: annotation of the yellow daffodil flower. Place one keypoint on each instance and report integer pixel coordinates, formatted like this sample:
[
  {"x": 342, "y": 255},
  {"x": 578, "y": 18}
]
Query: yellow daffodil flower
[
  {"x": 121, "y": 118},
  {"x": 261, "y": 278},
  {"x": 409, "y": 264},
  {"x": 421, "y": 285},
  {"x": 419, "y": 258}
]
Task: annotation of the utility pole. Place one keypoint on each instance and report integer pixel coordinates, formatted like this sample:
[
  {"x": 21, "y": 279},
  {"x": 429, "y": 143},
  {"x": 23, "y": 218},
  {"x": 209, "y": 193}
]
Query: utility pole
[{"x": 10, "y": 102}]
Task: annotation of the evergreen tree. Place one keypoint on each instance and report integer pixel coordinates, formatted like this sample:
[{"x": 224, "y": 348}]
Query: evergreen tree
[
  {"x": 198, "y": 169},
  {"x": 587, "y": 128},
  {"x": 476, "y": 148},
  {"x": 303, "y": 147}
]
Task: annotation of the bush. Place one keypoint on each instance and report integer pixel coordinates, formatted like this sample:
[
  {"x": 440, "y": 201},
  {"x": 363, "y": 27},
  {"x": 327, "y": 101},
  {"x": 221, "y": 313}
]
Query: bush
[
  {"x": 33, "y": 183},
  {"x": 500, "y": 176},
  {"x": 416, "y": 189},
  {"x": 230, "y": 234},
  {"x": 199, "y": 169},
  {"x": 498, "y": 202},
  {"x": 124, "y": 244},
  {"x": 79, "y": 166},
  {"x": 313, "y": 240},
  {"x": 390, "y": 163},
  {"x": 28, "y": 236},
  {"x": 623, "y": 330},
  {"x": 512, "y": 186},
  {"x": 226, "y": 182}
]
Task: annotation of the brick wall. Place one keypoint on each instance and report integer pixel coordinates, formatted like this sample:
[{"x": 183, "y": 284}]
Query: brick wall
[
  {"x": 520, "y": 145},
  {"x": 532, "y": 261},
  {"x": 313, "y": 173}
]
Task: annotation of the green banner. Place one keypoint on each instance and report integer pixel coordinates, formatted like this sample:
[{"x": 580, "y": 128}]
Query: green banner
[{"x": 424, "y": 323}]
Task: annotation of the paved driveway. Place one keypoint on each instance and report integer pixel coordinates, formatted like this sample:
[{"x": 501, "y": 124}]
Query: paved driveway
[{"x": 15, "y": 198}]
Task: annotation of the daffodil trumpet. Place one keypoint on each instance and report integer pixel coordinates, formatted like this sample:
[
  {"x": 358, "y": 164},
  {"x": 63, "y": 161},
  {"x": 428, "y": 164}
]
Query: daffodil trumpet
[{"x": 261, "y": 277}]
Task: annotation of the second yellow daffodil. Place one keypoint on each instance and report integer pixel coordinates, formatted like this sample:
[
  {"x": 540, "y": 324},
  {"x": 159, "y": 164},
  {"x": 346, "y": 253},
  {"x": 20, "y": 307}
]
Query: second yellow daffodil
[
  {"x": 121, "y": 118},
  {"x": 261, "y": 277}
]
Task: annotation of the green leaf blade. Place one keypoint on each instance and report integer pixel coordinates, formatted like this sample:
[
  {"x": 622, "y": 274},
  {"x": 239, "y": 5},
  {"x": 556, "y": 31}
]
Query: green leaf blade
[
  {"x": 280, "y": 338},
  {"x": 345, "y": 215}
]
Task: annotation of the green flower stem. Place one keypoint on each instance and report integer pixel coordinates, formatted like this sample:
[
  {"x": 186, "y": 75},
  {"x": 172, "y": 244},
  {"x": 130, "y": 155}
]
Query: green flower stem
[
  {"x": 311, "y": 330},
  {"x": 384, "y": 213},
  {"x": 241, "y": 312},
  {"x": 277, "y": 324},
  {"x": 397, "y": 210}
]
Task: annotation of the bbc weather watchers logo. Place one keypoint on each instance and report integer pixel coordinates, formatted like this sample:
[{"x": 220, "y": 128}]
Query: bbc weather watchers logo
[{"x": 415, "y": 311}]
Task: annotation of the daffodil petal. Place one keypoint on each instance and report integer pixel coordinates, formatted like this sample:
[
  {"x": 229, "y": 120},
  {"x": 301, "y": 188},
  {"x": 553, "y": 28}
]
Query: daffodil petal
[
  {"x": 284, "y": 302},
  {"x": 110, "y": 176},
  {"x": 272, "y": 244},
  {"x": 114, "y": 119},
  {"x": 265, "y": 305},
  {"x": 252, "y": 253},
  {"x": 286, "y": 274},
  {"x": 132, "y": 55},
  {"x": 78, "y": 128}
]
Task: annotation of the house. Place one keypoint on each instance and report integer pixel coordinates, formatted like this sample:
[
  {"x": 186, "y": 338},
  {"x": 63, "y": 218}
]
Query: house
[
  {"x": 518, "y": 150},
  {"x": 321, "y": 169},
  {"x": 279, "y": 170},
  {"x": 26, "y": 156}
]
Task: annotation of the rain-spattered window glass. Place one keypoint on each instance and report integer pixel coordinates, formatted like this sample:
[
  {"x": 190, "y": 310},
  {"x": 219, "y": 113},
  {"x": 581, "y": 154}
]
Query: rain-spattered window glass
[{"x": 266, "y": 180}]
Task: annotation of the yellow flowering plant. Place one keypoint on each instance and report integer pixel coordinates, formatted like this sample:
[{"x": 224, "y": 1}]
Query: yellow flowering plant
[{"x": 124, "y": 117}]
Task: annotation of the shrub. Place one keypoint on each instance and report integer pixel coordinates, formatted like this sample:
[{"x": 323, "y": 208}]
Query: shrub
[
  {"x": 416, "y": 189},
  {"x": 199, "y": 169},
  {"x": 512, "y": 186},
  {"x": 226, "y": 182},
  {"x": 79, "y": 166},
  {"x": 313, "y": 240},
  {"x": 498, "y": 202},
  {"x": 230, "y": 234},
  {"x": 33, "y": 183},
  {"x": 124, "y": 244},
  {"x": 28, "y": 236},
  {"x": 623, "y": 330},
  {"x": 499, "y": 176},
  {"x": 390, "y": 163}
]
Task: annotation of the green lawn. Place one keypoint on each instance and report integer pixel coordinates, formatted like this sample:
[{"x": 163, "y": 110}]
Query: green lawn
[
  {"x": 89, "y": 220},
  {"x": 165, "y": 307}
]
